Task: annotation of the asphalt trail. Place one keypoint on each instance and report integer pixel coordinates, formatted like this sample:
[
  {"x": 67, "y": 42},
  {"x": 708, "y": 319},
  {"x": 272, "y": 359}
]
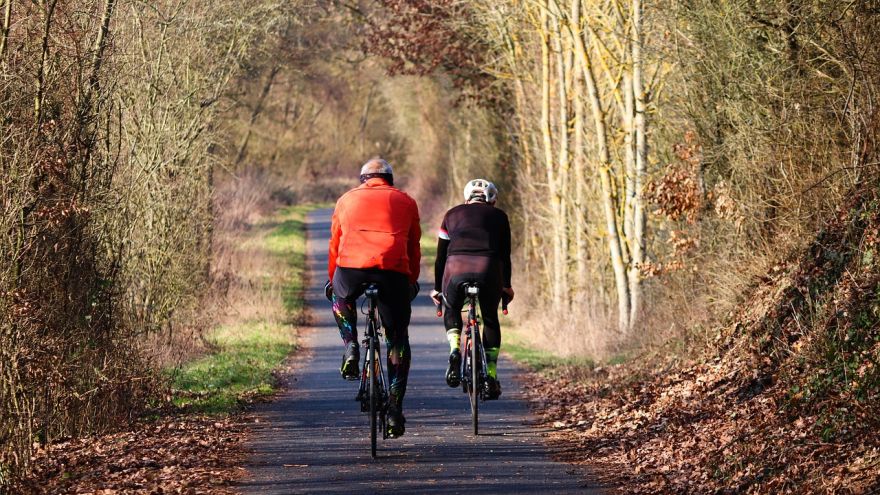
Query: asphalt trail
[{"x": 314, "y": 439}]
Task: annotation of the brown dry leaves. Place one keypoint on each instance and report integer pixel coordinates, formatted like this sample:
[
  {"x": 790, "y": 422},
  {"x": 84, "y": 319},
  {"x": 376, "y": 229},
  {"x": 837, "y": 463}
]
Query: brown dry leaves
[
  {"x": 688, "y": 431},
  {"x": 184, "y": 455},
  {"x": 787, "y": 402}
]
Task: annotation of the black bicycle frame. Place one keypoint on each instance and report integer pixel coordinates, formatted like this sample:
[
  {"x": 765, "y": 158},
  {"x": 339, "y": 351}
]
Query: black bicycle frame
[{"x": 373, "y": 390}]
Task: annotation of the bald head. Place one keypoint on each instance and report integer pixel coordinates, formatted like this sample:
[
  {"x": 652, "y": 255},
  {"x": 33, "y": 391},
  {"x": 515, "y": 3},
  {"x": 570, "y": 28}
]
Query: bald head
[{"x": 377, "y": 168}]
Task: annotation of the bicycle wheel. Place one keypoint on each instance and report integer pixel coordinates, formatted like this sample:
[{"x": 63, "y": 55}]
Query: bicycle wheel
[
  {"x": 464, "y": 372},
  {"x": 374, "y": 389},
  {"x": 475, "y": 381}
]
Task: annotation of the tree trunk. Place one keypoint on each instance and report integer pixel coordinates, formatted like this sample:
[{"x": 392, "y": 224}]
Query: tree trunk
[
  {"x": 546, "y": 81},
  {"x": 41, "y": 68},
  {"x": 4, "y": 31},
  {"x": 641, "y": 129},
  {"x": 85, "y": 110},
  {"x": 580, "y": 224},
  {"x": 629, "y": 158},
  {"x": 606, "y": 179},
  {"x": 100, "y": 44},
  {"x": 560, "y": 229}
]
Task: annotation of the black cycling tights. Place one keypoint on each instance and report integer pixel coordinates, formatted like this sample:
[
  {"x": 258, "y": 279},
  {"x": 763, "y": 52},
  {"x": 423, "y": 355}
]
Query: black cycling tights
[{"x": 485, "y": 271}]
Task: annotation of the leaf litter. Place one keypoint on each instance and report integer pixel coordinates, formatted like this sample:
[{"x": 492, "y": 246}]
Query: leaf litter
[{"x": 183, "y": 454}]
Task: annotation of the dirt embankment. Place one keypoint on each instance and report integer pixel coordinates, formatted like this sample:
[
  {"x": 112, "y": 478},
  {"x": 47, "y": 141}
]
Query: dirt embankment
[{"x": 786, "y": 401}]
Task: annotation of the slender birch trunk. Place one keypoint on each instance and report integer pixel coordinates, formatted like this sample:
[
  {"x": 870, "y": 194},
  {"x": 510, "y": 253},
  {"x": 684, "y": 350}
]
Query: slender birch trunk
[
  {"x": 556, "y": 288},
  {"x": 629, "y": 158},
  {"x": 560, "y": 227},
  {"x": 580, "y": 224},
  {"x": 606, "y": 180},
  {"x": 639, "y": 221}
]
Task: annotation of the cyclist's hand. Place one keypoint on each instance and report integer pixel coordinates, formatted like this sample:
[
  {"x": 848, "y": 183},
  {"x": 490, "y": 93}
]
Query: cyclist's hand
[
  {"x": 435, "y": 296},
  {"x": 414, "y": 290},
  {"x": 328, "y": 291},
  {"x": 508, "y": 291}
]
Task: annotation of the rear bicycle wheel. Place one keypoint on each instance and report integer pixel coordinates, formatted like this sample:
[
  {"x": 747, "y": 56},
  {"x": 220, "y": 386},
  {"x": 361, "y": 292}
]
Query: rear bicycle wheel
[
  {"x": 464, "y": 371},
  {"x": 475, "y": 382},
  {"x": 375, "y": 399}
]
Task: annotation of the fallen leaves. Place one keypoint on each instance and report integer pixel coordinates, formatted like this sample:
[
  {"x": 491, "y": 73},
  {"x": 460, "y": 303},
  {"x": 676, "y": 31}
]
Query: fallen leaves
[
  {"x": 177, "y": 455},
  {"x": 689, "y": 431}
]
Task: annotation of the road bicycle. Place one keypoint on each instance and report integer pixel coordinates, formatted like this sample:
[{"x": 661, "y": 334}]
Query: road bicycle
[
  {"x": 373, "y": 390},
  {"x": 474, "y": 380}
]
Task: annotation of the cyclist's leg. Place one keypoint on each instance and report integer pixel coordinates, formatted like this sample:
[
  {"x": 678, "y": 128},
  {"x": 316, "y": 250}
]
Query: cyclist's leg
[
  {"x": 490, "y": 298},
  {"x": 395, "y": 310},
  {"x": 347, "y": 287},
  {"x": 454, "y": 295},
  {"x": 453, "y": 292}
]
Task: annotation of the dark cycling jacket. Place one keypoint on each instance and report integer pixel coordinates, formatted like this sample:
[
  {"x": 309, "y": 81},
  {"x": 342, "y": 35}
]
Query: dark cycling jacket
[{"x": 475, "y": 229}]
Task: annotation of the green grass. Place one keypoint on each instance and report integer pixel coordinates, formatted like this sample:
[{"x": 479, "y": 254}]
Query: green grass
[
  {"x": 245, "y": 354},
  {"x": 517, "y": 348},
  {"x": 428, "y": 244},
  {"x": 240, "y": 368}
]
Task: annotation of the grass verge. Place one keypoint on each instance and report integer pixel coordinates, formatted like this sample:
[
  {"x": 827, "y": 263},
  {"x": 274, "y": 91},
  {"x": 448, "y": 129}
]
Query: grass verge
[
  {"x": 428, "y": 245},
  {"x": 246, "y": 351},
  {"x": 517, "y": 347}
]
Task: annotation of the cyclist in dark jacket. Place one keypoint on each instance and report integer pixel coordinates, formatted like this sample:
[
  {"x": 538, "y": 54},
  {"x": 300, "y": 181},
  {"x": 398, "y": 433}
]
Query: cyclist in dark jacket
[{"x": 474, "y": 246}]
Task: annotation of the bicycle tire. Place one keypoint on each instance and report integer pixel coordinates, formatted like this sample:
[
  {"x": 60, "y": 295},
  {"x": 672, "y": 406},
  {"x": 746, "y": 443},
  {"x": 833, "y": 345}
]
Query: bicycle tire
[
  {"x": 374, "y": 390},
  {"x": 475, "y": 382}
]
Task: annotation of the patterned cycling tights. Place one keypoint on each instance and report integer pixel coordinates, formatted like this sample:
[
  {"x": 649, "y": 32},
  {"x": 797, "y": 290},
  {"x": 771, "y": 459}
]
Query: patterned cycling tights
[{"x": 396, "y": 341}]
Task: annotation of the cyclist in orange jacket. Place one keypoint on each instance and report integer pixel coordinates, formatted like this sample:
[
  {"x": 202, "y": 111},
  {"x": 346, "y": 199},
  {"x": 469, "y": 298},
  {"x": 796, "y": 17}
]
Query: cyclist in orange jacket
[
  {"x": 374, "y": 238},
  {"x": 474, "y": 246}
]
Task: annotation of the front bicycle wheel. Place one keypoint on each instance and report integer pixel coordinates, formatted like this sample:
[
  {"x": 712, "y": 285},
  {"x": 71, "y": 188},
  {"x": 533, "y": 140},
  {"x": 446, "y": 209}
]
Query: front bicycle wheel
[
  {"x": 375, "y": 399},
  {"x": 475, "y": 381}
]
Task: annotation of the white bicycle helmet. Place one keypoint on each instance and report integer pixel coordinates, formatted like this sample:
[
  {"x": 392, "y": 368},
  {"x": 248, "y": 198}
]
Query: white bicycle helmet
[{"x": 480, "y": 190}]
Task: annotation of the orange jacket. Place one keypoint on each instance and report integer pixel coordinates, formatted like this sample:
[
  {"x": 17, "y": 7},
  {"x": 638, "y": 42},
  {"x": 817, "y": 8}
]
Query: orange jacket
[{"x": 376, "y": 225}]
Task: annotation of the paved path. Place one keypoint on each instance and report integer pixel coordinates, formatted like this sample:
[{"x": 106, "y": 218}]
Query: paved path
[{"x": 313, "y": 439}]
